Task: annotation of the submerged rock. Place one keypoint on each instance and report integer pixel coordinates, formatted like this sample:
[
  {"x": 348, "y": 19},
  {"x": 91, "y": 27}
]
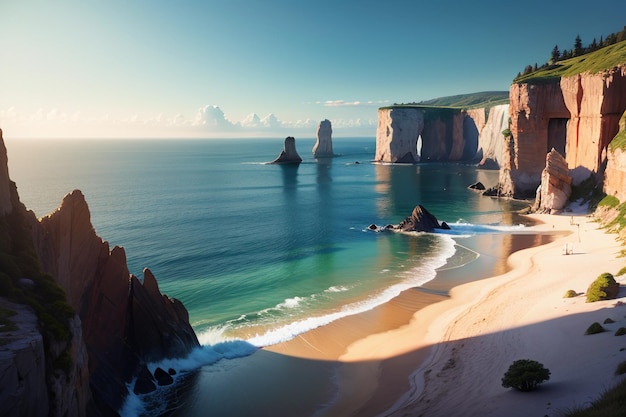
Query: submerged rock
[
  {"x": 289, "y": 155},
  {"x": 477, "y": 186}
]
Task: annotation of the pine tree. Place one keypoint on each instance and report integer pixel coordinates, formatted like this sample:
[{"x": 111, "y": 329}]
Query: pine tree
[
  {"x": 556, "y": 54},
  {"x": 578, "y": 46}
]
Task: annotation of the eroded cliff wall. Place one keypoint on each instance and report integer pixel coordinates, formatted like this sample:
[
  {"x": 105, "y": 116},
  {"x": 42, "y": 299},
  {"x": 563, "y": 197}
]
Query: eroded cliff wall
[
  {"x": 397, "y": 133},
  {"x": 576, "y": 115},
  {"x": 615, "y": 174},
  {"x": 491, "y": 140}
]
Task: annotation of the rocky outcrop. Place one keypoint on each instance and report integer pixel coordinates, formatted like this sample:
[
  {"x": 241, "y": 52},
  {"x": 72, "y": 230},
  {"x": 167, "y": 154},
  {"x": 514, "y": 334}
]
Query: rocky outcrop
[
  {"x": 615, "y": 174},
  {"x": 397, "y": 133},
  {"x": 86, "y": 359},
  {"x": 443, "y": 135},
  {"x": 5, "y": 191},
  {"x": 491, "y": 140},
  {"x": 420, "y": 220},
  {"x": 576, "y": 115},
  {"x": 323, "y": 147},
  {"x": 555, "y": 189},
  {"x": 125, "y": 323},
  {"x": 23, "y": 389},
  {"x": 289, "y": 155}
]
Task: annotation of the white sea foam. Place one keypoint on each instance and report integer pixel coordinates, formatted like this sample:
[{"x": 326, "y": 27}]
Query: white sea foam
[
  {"x": 419, "y": 275},
  {"x": 337, "y": 288}
]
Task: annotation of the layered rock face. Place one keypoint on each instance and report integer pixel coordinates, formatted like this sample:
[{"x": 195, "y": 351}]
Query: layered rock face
[
  {"x": 125, "y": 323},
  {"x": 615, "y": 174},
  {"x": 555, "y": 189},
  {"x": 289, "y": 155},
  {"x": 446, "y": 135},
  {"x": 23, "y": 366},
  {"x": 578, "y": 116},
  {"x": 491, "y": 141},
  {"x": 397, "y": 133},
  {"x": 323, "y": 147},
  {"x": 121, "y": 323}
]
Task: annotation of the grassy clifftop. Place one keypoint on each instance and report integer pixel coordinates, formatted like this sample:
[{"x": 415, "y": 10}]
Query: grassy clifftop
[
  {"x": 461, "y": 101},
  {"x": 593, "y": 62}
]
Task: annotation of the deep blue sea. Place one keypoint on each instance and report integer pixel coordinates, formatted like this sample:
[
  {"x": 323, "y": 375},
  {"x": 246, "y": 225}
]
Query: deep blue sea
[{"x": 255, "y": 251}]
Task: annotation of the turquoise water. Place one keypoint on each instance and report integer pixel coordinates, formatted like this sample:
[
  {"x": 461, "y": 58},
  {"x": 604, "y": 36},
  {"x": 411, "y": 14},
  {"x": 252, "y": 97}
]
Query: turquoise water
[{"x": 260, "y": 252}]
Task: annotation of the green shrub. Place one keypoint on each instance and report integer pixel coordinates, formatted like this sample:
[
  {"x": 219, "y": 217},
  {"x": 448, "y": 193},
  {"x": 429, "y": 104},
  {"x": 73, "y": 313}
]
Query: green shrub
[
  {"x": 595, "y": 328},
  {"x": 525, "y": 375},
  {"x": 621, "y": 272},
  {"x": 621, "y": 368},
  {"x": 570, "y": 294},
  {"x": 609, "y": 320},
  {"x": 603, "y": 288},
  {"x": 621, "y": 331}
]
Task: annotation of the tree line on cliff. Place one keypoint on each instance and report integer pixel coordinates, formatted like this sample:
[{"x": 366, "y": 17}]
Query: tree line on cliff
[{"x": 578, "y": 49}]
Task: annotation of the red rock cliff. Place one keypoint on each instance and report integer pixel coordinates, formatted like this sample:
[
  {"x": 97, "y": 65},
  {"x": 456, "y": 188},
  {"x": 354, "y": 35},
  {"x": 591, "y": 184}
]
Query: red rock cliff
[
  {"x": 577, "y": 115},
  {"x": 125, "y": 323}
]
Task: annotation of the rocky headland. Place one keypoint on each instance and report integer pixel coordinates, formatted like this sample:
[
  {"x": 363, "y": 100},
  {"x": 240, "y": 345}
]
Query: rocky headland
[{"x": 101, "y": 331}]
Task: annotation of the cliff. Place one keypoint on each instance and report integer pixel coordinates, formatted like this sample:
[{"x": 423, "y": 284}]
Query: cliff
[
  {"x": 408, "y": 134},
  {"x": 397, "y": 133},
  {"x": 576, "y": 115},
  {"x": 615, "y": 174},
  {"x": 88, "y": 357},
  {"x": 323, "y": 147},
  {"x": 491, "y": 140}
]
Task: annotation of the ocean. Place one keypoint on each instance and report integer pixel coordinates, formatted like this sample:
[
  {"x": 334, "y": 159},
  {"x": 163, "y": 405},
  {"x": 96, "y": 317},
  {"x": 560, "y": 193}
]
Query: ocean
[{"x": 260, "y": 253}]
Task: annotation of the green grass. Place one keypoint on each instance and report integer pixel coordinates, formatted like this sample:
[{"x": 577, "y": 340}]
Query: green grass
[
  {"x": 485, "y": 99},
  {"x": 593, "y": 63},
  {"x": 619, "y": 141},
  {"x": 612, "y": 403}
]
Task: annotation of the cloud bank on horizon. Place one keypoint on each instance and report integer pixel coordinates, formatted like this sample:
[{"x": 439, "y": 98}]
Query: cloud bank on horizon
[
  {"x": 214, "y": 68},
  {"x": 210, "y": 121}
]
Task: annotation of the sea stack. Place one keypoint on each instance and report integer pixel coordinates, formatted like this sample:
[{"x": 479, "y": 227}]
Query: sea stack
[
  {"x": 289, "y": 155},
  {"x": 323, "y": 147}
]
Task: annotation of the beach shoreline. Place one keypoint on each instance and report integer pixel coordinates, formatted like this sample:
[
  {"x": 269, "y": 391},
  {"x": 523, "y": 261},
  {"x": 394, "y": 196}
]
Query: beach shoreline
[{"x": 448, "y": 355}]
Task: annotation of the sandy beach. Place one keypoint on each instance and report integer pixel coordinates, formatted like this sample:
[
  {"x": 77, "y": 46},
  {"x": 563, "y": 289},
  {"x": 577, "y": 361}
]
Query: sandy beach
[{"x": 450, "y": 357}]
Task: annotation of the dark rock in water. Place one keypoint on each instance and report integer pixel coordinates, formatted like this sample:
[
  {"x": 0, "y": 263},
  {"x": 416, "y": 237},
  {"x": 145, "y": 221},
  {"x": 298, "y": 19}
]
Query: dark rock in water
[
  {"x": 389, "y": 227},
  {"x": 162, "y": 377},
  {"x": 477, "y": 186},
  {"x": 492, "y": 192},
  {"x": 289, "y": 155},
  {"x": 372, "y": 226},
  {"x": 420, "y": 220},
  {"x": 445, "y": 226},
  {"x": 171, "y": 371},
  {"x": 145, "y": 382}
]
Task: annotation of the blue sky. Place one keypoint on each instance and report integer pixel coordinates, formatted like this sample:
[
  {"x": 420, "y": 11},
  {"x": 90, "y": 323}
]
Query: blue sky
[{"x": 149, "y": 68}]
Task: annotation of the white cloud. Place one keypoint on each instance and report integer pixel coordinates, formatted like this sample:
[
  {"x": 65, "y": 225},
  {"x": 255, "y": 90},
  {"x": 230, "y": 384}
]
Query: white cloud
[{"x": 208, "y": 121}]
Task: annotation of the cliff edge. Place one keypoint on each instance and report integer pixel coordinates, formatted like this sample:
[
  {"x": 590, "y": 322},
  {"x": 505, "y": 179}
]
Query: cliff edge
[{"x": 120, "y": 323}]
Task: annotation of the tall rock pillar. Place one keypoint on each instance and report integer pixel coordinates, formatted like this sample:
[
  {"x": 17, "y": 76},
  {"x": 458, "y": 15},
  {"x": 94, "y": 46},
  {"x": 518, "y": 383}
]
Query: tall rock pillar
[{"x": 323, "y": 147}]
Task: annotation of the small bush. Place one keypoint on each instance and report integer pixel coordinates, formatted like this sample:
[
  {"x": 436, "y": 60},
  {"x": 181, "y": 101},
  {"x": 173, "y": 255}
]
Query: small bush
[
  {"x": 570, "y": 294},
  {"x": 621, "y": 331},
  {"x": 621, "y": 272},
  {"x": 595, "y": 328},
  {"x": 603, "y": 288},
  {"x": 525, "y": 375},
  {"x": 621, "y": 368},
  {"x": 609, "y": 320}
]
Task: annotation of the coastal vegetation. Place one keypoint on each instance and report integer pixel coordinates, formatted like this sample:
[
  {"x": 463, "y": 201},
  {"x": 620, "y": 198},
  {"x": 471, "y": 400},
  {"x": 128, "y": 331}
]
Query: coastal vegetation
[
  {"x": 594, "y": 328},
  {"x": 619, "y": 141},
  {"x": 525, "y": 375},
  {"x": 486, "y": 99},
  {"x": 604, "y": 287},
  {"x": 621, "y": 331},
  {"x": 22, "y": 281},
  {"x": 570, "y": 294},
  {"x": 594, "y": 58}
]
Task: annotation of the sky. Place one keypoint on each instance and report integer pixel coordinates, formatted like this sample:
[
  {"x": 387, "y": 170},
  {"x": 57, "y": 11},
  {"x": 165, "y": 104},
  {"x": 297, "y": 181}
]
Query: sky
[{"x": 273, "y": 68}]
